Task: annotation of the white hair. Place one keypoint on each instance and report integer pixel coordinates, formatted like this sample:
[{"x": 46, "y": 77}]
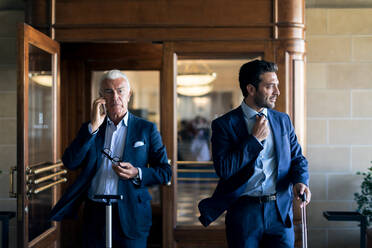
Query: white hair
[{"x": 111, "y": 75}]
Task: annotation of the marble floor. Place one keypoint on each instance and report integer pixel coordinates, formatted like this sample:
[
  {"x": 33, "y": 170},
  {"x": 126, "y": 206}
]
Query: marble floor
[{"x": 190, "y": 193}]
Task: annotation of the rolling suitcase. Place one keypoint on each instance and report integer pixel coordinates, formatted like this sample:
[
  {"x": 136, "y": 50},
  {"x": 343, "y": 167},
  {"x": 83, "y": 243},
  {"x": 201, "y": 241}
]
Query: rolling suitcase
[{"x": 108, "y": 200}]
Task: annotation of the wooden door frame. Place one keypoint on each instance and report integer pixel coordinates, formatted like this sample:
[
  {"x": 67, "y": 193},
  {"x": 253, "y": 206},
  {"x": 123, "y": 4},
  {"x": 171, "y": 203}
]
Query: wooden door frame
[
  {"x": 29, "y": 36},
  {"x": 78, "y": 61},
  {"x": 186, "y": 236},
  {"x": 268, "y": 49}
]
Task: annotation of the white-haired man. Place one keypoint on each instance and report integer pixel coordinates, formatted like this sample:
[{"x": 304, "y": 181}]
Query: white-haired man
[{"x": 113, "y": 151}]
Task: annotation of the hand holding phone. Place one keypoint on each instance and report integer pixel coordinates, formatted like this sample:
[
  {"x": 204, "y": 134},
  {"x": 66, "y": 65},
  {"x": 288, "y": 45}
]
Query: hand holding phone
[
  {"x": 98, "y": 113},
  {"x": 102, "y": 108}
]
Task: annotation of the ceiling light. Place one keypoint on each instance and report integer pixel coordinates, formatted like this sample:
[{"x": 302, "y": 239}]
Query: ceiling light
[
  {"x": 194, "y": 90},
  {"x": 42, "y": 79},
  {"x": 194, "y": 79}
]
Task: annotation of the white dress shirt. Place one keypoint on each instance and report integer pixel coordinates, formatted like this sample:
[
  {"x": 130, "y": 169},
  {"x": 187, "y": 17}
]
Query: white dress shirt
[
  {"x": 105, "y": 182},
  {"x": 263, "y": 180}
]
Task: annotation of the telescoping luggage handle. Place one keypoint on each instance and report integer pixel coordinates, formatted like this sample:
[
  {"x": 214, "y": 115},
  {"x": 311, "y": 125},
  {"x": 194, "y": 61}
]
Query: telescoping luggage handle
[
  {"x": 108, "y": 200},
  {"x": 303, "y": 220}
]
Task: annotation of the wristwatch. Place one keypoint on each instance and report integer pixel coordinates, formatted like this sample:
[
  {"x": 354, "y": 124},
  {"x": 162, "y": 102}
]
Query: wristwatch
[{"x": 137, "y": 177}]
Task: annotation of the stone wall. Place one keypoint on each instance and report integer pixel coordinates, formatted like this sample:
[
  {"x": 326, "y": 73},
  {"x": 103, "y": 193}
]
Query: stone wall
[
  {"x": 11, "y": 13},
  {"x": 339, "y": 117}
]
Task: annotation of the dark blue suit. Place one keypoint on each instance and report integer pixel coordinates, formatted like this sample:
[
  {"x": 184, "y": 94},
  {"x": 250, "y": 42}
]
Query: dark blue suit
[
  {"x": 234, "y": 154},
  {"x": 85, "y": 153}
]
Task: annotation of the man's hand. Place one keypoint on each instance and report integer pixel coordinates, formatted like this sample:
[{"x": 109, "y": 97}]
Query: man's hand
[
  {"x": 125, "y": 170},
  {"x": 97, "y": 115},
  {"x": 300, "y": 189},
  {"x": 260, "y": 129}
]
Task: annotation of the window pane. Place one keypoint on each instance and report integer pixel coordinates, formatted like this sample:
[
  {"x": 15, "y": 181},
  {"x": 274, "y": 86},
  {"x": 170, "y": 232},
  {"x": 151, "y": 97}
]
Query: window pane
[
  {"x": 40, "y": 106},
  {"x": 40, "y": 135},
  {"x": 198, "y": 103}
]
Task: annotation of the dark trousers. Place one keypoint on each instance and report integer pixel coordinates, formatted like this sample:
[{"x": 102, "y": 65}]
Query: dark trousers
[
  {"x": 252, "y": 225},
  {"x": 94, "y": 228}
]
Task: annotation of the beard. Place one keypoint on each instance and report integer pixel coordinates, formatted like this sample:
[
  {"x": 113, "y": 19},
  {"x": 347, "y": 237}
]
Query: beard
[{"x": 263, "y": 102}]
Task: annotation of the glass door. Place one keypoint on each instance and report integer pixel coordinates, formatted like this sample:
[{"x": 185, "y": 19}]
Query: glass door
[
  {"x": 206, "y": 89},
  {"x": 38, "y": 147},
  {"x": 200, "y": 83}
]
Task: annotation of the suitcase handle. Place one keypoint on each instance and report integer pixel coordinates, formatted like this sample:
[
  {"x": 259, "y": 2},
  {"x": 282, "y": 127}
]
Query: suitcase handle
[{"x": 303, "y": 197}]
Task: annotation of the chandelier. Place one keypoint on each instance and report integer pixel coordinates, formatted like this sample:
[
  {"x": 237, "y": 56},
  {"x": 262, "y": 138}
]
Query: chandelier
[{"x": 195, "y": 79}]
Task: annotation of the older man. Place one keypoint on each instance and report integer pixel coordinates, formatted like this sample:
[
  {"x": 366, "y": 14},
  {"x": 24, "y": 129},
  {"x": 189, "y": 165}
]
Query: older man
[{"x": 114, "y": 150}]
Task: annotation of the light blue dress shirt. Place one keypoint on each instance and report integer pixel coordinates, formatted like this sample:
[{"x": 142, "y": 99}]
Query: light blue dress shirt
[
  {"x": 105, "y": 181},
  {"x": 263, "y": 180}
]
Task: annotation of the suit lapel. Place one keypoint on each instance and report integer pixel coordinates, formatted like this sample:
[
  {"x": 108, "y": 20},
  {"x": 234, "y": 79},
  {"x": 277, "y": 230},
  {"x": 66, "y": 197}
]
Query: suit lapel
[
  {"x": 129, "y": 138},
  {"x": 100, "y": 139},
  {"x": 238, "y": 123},
  {"x": 277, "y": 134},
  {"x": 125, "y": 185}
]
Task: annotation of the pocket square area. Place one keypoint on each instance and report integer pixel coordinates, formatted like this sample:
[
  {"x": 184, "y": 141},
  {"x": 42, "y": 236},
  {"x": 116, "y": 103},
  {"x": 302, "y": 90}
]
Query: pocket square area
[{"x": 138, "y": 144}]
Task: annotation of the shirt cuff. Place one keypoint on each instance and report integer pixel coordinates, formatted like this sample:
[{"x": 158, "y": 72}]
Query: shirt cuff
[
  {"x": 138, "y": 179},
  {"x": 90, "y": 129}
]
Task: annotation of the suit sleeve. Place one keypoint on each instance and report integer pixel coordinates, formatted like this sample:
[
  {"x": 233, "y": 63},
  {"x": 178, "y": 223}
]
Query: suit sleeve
[
  {"x": 228, "y": 157},
  {"x": 299, "y": 165},
  {"x": 159, "y": 171},
  {"x": 76, "y": 152}
]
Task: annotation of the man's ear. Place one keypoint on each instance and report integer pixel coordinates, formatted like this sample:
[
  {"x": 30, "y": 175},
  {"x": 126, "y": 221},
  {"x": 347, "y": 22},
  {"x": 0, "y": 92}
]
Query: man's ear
[{"x": 251, "y": 89}]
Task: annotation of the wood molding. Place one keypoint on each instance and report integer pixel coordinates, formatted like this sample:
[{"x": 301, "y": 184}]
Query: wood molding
[
  {"x": 169, "y": 133},
  {"x": 146, "y": 34}
]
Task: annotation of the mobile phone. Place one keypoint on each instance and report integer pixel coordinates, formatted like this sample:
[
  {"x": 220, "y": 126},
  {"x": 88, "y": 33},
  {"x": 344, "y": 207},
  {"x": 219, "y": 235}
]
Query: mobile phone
[{"x": 102, "y": 109}]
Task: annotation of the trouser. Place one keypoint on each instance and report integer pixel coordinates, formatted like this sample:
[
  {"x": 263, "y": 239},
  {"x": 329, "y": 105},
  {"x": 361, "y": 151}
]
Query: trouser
[
  {"x": 252, "y": 224},
  {"x": 94, "y": 228}
]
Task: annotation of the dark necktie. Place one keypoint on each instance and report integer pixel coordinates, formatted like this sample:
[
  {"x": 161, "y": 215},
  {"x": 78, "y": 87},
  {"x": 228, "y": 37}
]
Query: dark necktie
[{"x": 262, "y": 114}]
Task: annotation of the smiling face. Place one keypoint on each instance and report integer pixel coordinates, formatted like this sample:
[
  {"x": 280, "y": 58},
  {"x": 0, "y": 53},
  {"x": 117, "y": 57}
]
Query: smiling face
[
  {"x": 266, "y": 94},
  {"x": 117, "y": 95}
]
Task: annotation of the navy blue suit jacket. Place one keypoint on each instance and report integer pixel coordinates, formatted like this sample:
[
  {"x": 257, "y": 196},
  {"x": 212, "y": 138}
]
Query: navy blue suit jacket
[
  {"x": 234, "y": 153},
  {"x": 85, "y": 153}
]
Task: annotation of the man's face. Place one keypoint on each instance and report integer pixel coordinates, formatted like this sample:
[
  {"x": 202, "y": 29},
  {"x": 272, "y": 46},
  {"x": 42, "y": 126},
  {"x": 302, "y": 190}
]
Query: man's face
[
  {"x": 268, "y": 91},
  {"x": 117, "y": 96}
]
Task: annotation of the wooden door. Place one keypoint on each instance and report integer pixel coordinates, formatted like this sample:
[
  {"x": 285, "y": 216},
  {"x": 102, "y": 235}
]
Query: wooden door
[
  {"x": 193, "y": 174},
  {"x": 38, "y": 139}
]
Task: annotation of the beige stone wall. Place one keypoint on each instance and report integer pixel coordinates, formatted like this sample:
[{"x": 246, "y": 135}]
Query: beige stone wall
[
  {"x": 339, "y": 117},
  {"x": 8, "y": 108}
]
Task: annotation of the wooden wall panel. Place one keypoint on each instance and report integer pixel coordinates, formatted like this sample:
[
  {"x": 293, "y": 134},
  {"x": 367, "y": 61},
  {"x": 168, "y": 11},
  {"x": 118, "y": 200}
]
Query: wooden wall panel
[
  {"x": 155, "y": 13},
  {"x": 143, "y": 34}
]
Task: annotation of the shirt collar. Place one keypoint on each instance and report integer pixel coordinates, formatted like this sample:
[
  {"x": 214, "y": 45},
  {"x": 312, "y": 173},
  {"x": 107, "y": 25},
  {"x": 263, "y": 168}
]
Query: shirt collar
[
  {"x": 123, "y": 121},
  {"x": 250, "y": 112}
]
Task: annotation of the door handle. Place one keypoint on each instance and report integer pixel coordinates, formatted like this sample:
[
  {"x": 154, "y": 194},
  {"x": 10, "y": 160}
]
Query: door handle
[
  {"x": 42, "y": 179},
  {"x": 170, "y": 181},
  {"x": 12, "y": 192},
  {"x": 31, "y": 171},
  {"x": 40, "y": 189}
]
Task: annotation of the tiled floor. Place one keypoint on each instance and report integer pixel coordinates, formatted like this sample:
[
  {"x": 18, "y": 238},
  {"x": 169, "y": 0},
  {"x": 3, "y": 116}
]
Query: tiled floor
[{"x": 189, "y": 195}]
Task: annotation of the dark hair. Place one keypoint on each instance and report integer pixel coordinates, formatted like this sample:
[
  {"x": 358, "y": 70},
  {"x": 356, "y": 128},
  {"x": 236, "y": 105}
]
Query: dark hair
[{"x": 251, "y": 72}]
